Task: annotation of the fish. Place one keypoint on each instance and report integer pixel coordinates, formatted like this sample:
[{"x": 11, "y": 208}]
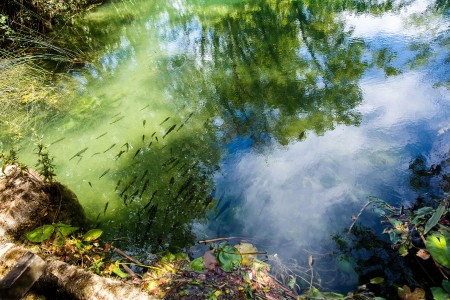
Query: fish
[
  {"x": 115, "y": 115},
  {"x": 153, "y": 134},
  {"x": 104, "y": 173},
  {"x": 90, "y": 183},
  {"x": 144, "y": 187},
  {"x": 98, "y": 216},
  {"x": 117, "y": 185},
  {"x": 79, "y": 153},
  {"x": 133, "y": 196},
  {"x": 190, "y": 115},
  {"x": 149, "y": 201},
  {"x": 171, "y": 182},
  {"x": 143, "y": 176},
  {"x": 150, "y": 144},
  {"x": 128, "y": 146},
  {"x": 119, "y": 154},
  {"x": 117, "y": 120},
  {"x": 174, "y": 165},
  {"x": 103, "y": 134},
  {"x": 170, "y": 130},
  {"x": 181, "y": 126},
  {"x": 106, "y": 207},
  {"x": 156, "y": 139},
  {"x": 79, "y": 160},
  {"x": 58, "y": 140},
  {"x": 144, "y": 107},
  {"x": 110, "y": 147},
  {"x": 165, "y": 120},
  {"x": 163, "y": 147},
  {"x": 143, "y": 138},
  {"x": 125, "y": 198},
  {"x": 128, "y": 185},
  {"x": 184, "y": 186},
  {"x": 222, "y": 209},
  {"x": 143, "y": 123},
  {"x": 169, "y": 161},
  {"x": 96, "y": 153},
  {"x": 137, "y": 152}
]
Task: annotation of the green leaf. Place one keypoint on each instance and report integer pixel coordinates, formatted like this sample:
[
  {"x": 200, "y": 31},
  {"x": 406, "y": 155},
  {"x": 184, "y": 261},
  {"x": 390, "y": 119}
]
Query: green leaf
[
  {"x": 331, "y": 295},
  {"x": 439, "y": 294},
  {"x": 394, "y": 237},
  {"x": 197, "y": 264},
  {"x": 421, "y": 212},
  {"x": 65, "y": 230},
  {"x": 437, "y": 246},
  {"x": 435, "y": 218},
  {"x": 228, "y": 257},
  {"x": 446, "y": 285},
  {"x": 92, "y": 234},
  {"x": 403, "y": 250},
  {"x": 40, "y": 234},
  {"x": 395, "y": 222},
  {"x": 116, "y": 270},
  {"x": 377, "y": 280}
]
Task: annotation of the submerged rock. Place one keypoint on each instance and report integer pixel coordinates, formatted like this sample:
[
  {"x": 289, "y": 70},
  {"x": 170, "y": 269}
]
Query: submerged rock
[{"x": 26, "y": 202}]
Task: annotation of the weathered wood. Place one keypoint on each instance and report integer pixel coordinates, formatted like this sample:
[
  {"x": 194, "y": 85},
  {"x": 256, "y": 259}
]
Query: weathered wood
[{"x": 22, "y": 277}]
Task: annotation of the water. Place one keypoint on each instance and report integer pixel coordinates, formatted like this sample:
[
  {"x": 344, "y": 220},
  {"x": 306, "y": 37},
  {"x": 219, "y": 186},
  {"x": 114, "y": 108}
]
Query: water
[{"x": 287, "y": 116}]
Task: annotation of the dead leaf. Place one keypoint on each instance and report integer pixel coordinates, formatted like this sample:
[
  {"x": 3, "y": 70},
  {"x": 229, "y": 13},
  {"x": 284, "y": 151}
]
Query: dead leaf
[
  {"x": 210, "y": 261},
  {"x": 405, "y": 293},
  {"x": 423, "y": 254},
  {"x": 311, "y": 261}
]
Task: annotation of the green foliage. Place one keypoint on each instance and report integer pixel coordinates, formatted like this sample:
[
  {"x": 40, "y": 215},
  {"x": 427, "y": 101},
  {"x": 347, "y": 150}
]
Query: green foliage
[
  {"x": 115, "y": 268},
  {"x": 197, "y": 264},
  {"x": 41, "y": 233},
  {"x": 92, "y": 234},
  {"x": 439, "y": 249},
  {"x": 228, "y": 257},
  {"x": 45, "y": 164}
]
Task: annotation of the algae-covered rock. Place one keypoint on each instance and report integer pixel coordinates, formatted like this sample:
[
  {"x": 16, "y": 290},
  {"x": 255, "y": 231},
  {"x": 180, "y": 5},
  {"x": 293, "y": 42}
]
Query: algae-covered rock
[{"x": 26, "y": 202}]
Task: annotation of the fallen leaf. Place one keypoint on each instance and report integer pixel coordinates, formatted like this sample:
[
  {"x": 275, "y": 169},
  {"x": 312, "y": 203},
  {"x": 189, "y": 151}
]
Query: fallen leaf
[
  {"x": 423, "y": 254},
  {"x": 210, "y": 261}
]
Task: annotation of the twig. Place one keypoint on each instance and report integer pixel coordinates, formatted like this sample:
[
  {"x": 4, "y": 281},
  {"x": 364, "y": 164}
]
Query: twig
[
  {"x": 359, "y": 214},
  {"x": 216, "y": 240},
  {"x": 130, "y": 272},
  {"x": 120, "y": 252}
]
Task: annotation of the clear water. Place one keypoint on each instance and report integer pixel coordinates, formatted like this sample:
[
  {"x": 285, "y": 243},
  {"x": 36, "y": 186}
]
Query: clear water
[{"x": 287, "y": 116}]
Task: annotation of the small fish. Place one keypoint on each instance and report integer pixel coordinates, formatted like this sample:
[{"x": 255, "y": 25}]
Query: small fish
[
  {"x": 171, "y": 182},
  {"x": 163, "y": 147},
  {"x": 169, "y": 161},
  {"x": 125, "y": 198},
  {"x": 110, "y": 147},
  {"x": 104, "y": 173},
  {"x": 98, "y": 216},
  {"x": 170, "y": 130},
  {"x": 115, "y": 115},
  {"x": 144, "y": 187},
  {"x": 117, "y": 185},
  {"x": 184, "y": 186},
  {"x": 106, "y": 207},
  {"x": 90, "y": 183},
  {"x": 153, "y": 134},
  {"x": 117, "y": 120},
  {"x": 150, "y": 144},
  {"x": 165, "y": 120},
  {"x": 103, "y": 134},
  {"x": 180, "y": 127},
  {"x": 143, "y": 123},
  {"x": 149, "y": 201},
  {"x": 128, "y": 146},
  {"x": 137, "y": 152},
  {"x": 59, "y": 140},
  {"x": 133, "y": 196},
  {"x": 174, "y": 165},
  {"x": 79, "y": 153},
  {"x": 143, "y": 176},
  {"x": 96, "y": 153},
  {"x": 119, "y": 154},
  {"x": 190, "y": 115},
  {"x": 128, "y": 185},
  {"x": 143, "y": 138},
  {"x": 156, "y": 139},
  {"x": 79, "y": 160},
  {"x": 145, "y": 107}
]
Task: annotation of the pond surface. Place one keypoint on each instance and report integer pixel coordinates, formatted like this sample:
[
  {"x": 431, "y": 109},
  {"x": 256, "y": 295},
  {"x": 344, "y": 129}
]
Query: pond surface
[{"x": 268, "y": 120}]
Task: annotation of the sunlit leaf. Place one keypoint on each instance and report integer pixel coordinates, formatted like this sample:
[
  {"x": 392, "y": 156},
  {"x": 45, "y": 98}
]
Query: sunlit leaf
[
  {"x": 92, "y": 234},
  {"x": 116, "y": 270},
  {"x": 245, "y": 249},
  {"x": 437, "y": 246},
  {"x": 65, "y": 230},
  {"x": 423, "y": 254},
  {"x": 435, "y": 218},
  {"x": 197, "y": 264},
  {"x": 40, "y": 234},
  {"x": 393, "y": 236},
  {"x": 377, "y": 280},
  {"x": 331, "y": 295}
]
